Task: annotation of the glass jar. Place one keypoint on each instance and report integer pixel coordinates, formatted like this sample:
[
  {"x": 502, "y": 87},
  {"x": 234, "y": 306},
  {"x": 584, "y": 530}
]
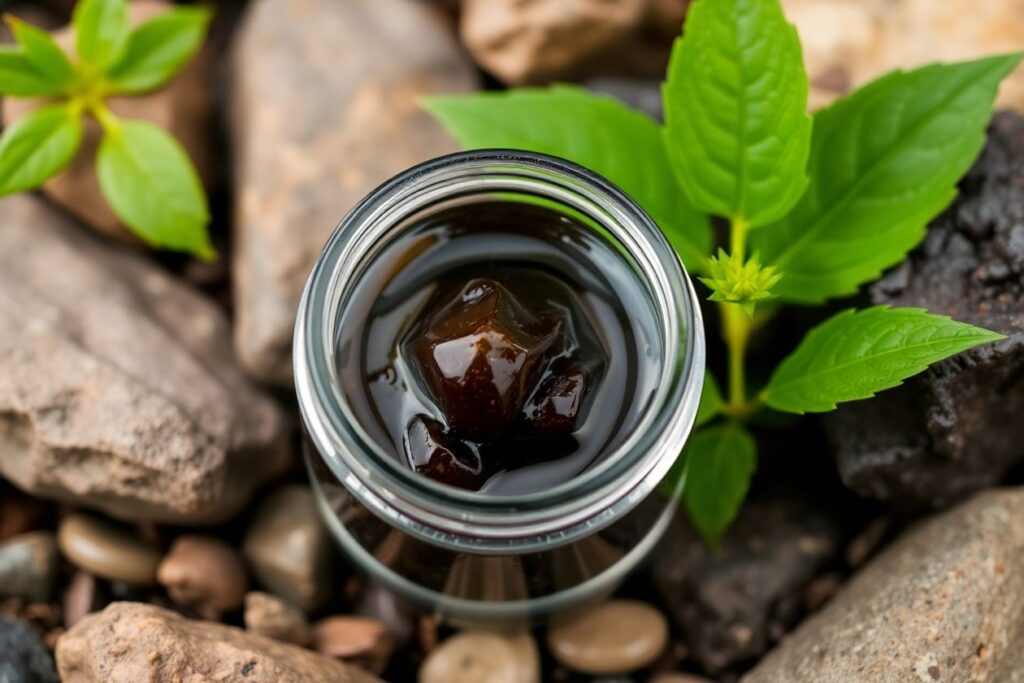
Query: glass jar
[{"x": 486, "y": 558}]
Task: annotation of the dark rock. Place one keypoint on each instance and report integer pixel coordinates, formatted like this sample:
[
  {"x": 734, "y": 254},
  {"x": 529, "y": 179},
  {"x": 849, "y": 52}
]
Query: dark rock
[
  {"x": 28, "y": 566},
  {"x": 23, "y": 658},
  {"x": 956, "y": 428},
  {"x": 733, "y": 603}
]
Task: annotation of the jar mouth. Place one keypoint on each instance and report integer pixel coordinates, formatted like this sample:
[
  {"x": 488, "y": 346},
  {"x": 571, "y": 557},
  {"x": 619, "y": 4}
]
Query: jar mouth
[{"x": 598, "y": 494}]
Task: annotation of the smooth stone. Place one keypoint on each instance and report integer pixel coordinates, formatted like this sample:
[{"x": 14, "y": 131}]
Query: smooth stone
[
  {"x": 617, "y": 636},
  {"x": 28, "y": 566},
  {"x": 81, "y": 597},
  {"x": 483, "y": 657},
  {"x": 324, "y": 104},
  {"x": 23, "y": 657},
  {"x": 107, "y": 550},
  {"x": 119, "y": 389},
  {"x": 360, "y": 640},
  {"x": 270, "y": 616},
  {"x": 944, "y": 602},
  {"x": 204, "y": 573},
  {"x": 289, "y": 548},
  {"x": 129, "y": 642}
]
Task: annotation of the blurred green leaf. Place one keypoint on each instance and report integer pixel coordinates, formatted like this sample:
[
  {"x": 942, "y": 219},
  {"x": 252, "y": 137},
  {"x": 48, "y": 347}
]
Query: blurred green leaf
[
  {"x": 19, "y": 76},
  {"x": 43, "y": 52},
  {"x": 37, "y": 146},
  {"x": 159, "y": 48},
  {"x": 101, "y": 31},
  {"x": 719, "y": 463}
]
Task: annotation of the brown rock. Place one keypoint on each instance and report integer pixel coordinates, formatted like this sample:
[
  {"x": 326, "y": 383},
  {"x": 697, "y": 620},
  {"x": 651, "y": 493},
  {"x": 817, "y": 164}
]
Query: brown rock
[
  {"x": 612, "y": 638},
  {"x": 205, "y": 573},
  {"x": 289, "y": 549},
  {"x": 679, "y": 678},
  {"x": 129, "y": 642},
  {"x": 18, "y": 513},
  {"x": 108, "y": 550},
  {"x": 850, "y": 42},
  {"x": 324, "y": 105},
  {"x": 483, "y": 657},
  {"x": 536, "y": 42},
  {"x": 28, "y": 566},
  {"x": 945, "y": 602},
  {"x": 272, "y": 617},
  {"x": 362, "y": 641},
  {"x": 118, "y": 387},
  {"x": 183, "y": 108}
]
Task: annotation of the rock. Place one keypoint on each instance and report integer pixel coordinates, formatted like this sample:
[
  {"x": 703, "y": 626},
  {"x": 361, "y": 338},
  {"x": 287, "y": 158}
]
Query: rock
[
  {"x": 850, "y": 42},
  {"x": 272, "y": 617},
  {"x": 945, "y": 602},
  {"x": 183, "y": 108},
  {"x": 23, "y": 658},
  {"x": 289, "y": 549},
  {"x": 381, "y": 604},
  {"x": 28, "y": 566},
  {"x": 80, "y": 598},
  {"x": 615, "y": 637},
  {"x": 118, "y": 388},
  {"x": 107, "y": 550},
  {"x": 205, "y": 573},
  {"x": 483, "y": 657},
  {"x": 359, "y": 640},
  {"x": 955, "y": 428},
  {"x": 732, "y": 604},
  {"x": 679, "y": 678},
  {"x": 18, "y": 513},
  {"x": 537, "y": 42},
  {"x": 134, "y": 642},
  {"x": 300, "y": 170}
]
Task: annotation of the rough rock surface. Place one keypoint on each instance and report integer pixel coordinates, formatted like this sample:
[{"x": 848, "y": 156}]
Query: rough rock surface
[
  {"x": 733, "y": 603},
  {"x": 183, "y": 107},
  {"x": 118, "y": 388},
  {"x": 850, "y": 42},
  {"x": 324, "y": 105},
  {"x": 957, "y": 427},
  {"x": 943, "y": 603},
  {"x": 23, "y": 659},
  {"x": 129, "y": 642}
]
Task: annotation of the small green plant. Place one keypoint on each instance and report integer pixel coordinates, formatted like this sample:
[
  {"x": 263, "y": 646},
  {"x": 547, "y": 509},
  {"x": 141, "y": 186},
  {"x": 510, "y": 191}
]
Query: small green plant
[
  {"x": 145, "y": 175},
  {"x": 817, "y": 207}
]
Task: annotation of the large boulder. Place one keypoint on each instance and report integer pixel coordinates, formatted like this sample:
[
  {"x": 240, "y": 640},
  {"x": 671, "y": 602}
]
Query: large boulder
[
  {"x": 118, "y": 386},
  {"x": 957, "y": 427},
  {"x": 129, "y": 642},
  {"x": 324, "y": 107},
  {"x": 945, "y": 602}
]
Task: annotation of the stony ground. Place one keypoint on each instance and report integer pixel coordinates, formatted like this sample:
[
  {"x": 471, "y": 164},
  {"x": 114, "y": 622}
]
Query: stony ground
[{"x": 154, "y": 522}]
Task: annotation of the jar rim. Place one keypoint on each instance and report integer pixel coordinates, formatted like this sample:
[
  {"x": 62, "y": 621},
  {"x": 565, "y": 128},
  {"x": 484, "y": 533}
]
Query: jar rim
[{"x": 451, "y": 516}]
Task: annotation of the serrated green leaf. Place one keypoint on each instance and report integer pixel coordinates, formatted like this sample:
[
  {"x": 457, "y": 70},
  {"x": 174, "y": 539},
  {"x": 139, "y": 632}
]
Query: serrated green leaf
[
  {"x": 594, "y": 131},
  {"x": 720, "y": 461},
  {"x": 43, "y": 52},
  {"x": 37, "y": 146},
  {"x": 159, "y": 48},
  {"x": 884, "y": 161},
  {"x": 149, "y": 182},
  {"x": 854, "y": 355},
  {"x": 101, "y": 31},
  {"x": 736, "y": 122},
  {"x": 710, "y": 400},
  {"x": 19, "y": 76}
]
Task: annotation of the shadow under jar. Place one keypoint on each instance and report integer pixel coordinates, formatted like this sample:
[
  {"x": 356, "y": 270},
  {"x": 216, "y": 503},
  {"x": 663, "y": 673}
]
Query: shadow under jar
[{"x": 545, "y": 522}]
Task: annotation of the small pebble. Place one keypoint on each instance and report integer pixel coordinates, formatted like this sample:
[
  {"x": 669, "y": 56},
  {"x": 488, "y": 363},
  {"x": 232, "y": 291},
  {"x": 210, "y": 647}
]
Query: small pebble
[
  {"x": 28, "y": 566},
  {"x": 288, "y": 548},
  {"x": 679, "y": 678},
  {"x": 80, "y": 598},
  {"x": 204, "y": 573},
  {"x": 23, "y": 657},
  {"x": 359, "y": 640},
  {"x": 483, "y": 657},
  {"x": 377, "y": 602},
  {"x": 270, "y": 616},
  {"x": 616, "y": 637},
  {"x": 107, "y": 550}
]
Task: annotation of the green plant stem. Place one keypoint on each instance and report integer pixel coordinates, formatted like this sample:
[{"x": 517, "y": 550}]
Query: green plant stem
[
  {"x": 109, "y": 121},
  {"x": 736, "y": 328}
]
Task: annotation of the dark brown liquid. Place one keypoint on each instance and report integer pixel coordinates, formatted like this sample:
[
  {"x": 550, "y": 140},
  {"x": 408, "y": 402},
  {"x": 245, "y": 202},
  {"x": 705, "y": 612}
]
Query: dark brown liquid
[{"x": 566, "y": 325}]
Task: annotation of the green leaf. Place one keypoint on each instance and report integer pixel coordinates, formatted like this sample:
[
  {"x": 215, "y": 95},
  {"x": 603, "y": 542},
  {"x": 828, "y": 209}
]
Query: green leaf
[
  {"x": 149, "y": 182},
  {"x": 597, "y": 132},
  {"x": 854, "y": 355},
  {"x": 43, "y": 52},
  {"x": 19, "y": 76},
  {"x": 720, "y": 461},
  {"x": 710, "y": 400},
  {"x": 884, "y": 161},
  {"x": 101, "y": 31},
  {"x": 37, "y": 146},
  {"x": 737, "y": 128},
  {"x": 159, "y": 48}
]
